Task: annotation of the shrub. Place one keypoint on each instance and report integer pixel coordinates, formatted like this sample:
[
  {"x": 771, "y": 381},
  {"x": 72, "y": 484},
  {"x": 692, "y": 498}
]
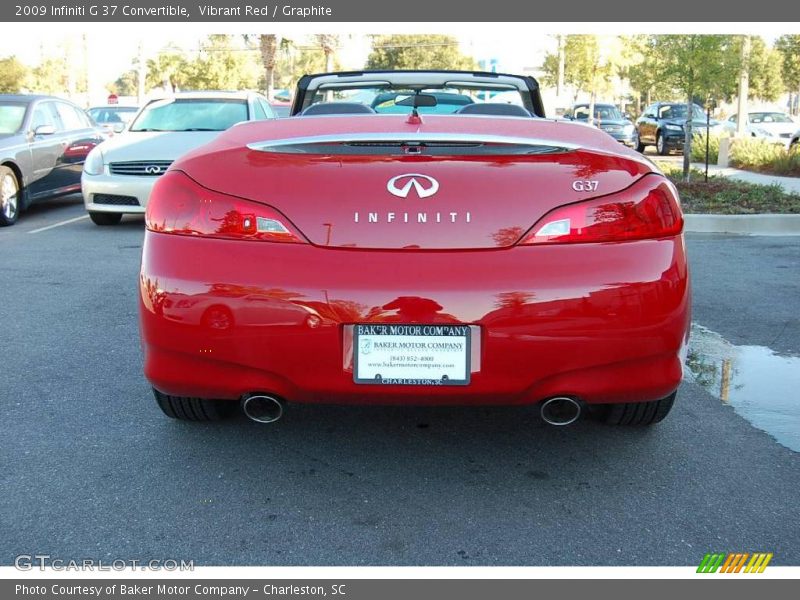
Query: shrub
[
  {"x": 699, "y": 147},
  {"x": 760, "y": 155}
]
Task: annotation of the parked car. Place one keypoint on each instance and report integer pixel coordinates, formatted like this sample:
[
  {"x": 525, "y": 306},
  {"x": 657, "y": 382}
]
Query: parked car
[
  {"x": 471, "y": 258},
  {"x": 770, "y": 126},
  {"x": 608, "y": 118},
  {"x": 119, "y": 174},
  {"x": 112, "y": 118},
  {"x": 662, "y": 125},
  {"x": 43, "y": 143}
]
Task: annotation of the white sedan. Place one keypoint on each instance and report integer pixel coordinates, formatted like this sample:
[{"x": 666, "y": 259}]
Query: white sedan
[
  {"x": 119, "y": 174},
  {"x": 770, "y": 126}
]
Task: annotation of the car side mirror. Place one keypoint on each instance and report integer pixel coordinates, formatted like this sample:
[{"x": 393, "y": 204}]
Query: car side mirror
[
  {"x": 119, "y": 127},
  {"x": 44, "y": 130}
]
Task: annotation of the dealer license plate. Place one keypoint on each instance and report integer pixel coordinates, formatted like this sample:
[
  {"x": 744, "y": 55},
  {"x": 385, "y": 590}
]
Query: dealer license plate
[{"x": 392, "y": 354}]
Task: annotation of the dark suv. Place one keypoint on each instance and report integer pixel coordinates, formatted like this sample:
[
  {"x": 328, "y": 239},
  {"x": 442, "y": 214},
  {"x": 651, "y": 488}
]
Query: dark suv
[{"x": 661, "y": 125}]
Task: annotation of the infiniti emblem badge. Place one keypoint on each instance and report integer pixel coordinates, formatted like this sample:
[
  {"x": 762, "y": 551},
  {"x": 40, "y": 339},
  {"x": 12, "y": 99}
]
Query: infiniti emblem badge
[
  {"x": 423, "y": 185},
  {"x": 152, "y": 170}
]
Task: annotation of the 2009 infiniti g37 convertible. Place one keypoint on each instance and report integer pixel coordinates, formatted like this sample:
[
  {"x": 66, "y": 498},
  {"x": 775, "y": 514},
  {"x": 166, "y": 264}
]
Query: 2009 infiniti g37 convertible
[{"x": 415, "y": 238}]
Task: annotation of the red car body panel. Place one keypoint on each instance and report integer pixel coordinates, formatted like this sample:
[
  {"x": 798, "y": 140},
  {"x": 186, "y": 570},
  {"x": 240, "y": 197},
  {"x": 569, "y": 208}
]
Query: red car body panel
[{"x": 602, "y": 322}]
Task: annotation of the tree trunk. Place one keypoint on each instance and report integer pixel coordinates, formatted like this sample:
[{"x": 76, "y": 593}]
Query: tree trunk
[
  {"x": 744, "y": 89},
  {"x": 141, "y": 73},
  {"x": 268, "y": 44},
  {"x": 592, "y": 96},
  {"x": 561, "y": 61},
  {"x": 687, "y": 140}
]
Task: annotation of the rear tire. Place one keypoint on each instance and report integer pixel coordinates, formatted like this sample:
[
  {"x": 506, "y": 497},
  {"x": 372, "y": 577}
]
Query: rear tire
[
  {"x": 194, "y": 409},
  {"x": 9, "y": 197},
  {"x": 105, "y": 219},
  {"x": 639, "y": 414}
]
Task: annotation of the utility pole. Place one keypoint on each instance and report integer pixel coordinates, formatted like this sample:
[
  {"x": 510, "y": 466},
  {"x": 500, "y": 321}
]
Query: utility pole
[
  {"x": 142, "y": 73},
  {"x": 89, "y": 80},
  {"x": 561, "y": 64},
  {"x": 744, "y": 88}
]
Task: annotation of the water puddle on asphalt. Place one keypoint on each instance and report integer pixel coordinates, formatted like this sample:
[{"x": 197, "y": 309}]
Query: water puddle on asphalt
[{"x": 761, "y": 385}]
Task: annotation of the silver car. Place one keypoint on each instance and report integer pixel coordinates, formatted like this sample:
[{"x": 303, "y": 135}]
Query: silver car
[{"x": 119, "y": 174}]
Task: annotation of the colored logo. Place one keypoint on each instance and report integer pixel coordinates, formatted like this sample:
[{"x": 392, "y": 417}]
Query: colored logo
[
  {"x": 423, "y": 185},
  {"x": 735, "y": 562}
]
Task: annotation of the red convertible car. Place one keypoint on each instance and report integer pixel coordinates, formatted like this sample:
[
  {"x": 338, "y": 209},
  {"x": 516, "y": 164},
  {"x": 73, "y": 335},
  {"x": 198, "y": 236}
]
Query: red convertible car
[{"x": 422, "y": 238}]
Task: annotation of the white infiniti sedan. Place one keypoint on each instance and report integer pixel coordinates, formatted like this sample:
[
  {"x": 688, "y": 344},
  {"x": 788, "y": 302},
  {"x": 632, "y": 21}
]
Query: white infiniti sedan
[{"x": 119, "y": 173}]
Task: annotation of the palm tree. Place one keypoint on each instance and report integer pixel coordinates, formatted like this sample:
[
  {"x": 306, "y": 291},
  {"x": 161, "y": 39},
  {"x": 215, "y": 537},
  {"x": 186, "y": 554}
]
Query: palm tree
[
  {"x": 268, "y": 45},
  {"x": 328, "y": 42}
]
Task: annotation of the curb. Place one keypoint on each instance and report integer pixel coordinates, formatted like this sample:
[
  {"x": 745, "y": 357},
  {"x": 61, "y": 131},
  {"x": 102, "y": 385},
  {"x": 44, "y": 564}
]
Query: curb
[{"x": 781, "y": 224}]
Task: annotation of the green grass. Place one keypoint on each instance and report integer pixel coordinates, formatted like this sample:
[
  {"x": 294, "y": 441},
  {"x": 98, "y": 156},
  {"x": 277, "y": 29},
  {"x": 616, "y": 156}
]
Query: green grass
[{"x": 723, "y": 196}]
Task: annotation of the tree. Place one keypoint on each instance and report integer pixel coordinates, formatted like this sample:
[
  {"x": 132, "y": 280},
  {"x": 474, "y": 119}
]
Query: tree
[
  {"x": 788, "y": 46},
  {"x": 702, "y": 66},
  {"x": 294, "y": 61},
  {"x": 644, "y": 69},
  {"x": 169, "y": 70},
  {"x": 222, "y": 66},
  {"x": 328, "y": 43},
  {"x": 50, "y": 77},
  {"x": 268, "y": 47},
  {"x": 125, "y": 85},
  {"x": 417, "y": 52},
  {"x": 589, "y": 66},
  {"x": 586, "y": 67},
  {"x": 12, "y": 75},
  {"x": 766, "y": 76}
]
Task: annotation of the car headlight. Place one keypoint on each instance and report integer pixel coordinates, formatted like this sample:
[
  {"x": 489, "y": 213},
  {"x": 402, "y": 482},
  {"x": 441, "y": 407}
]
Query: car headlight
[
  {"x": 762, "y": 132},
  {"x": 93, "y": 165},
  {"x": 670, "y": 127}
]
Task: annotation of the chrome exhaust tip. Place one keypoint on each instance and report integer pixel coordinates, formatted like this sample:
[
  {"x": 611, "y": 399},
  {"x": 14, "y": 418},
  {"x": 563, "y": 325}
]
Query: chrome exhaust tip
[
  {"x": 262, "y": 408},
  {"x": 560, "y": 411}
]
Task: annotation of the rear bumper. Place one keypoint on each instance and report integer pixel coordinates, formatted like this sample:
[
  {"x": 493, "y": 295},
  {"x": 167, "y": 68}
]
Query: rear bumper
[{"x": 602, "y": 322}]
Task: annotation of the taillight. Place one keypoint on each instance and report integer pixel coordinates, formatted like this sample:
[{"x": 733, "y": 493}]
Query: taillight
[
  {"x": 180, "y": 205},
  {"x": 647, "y": 209}
]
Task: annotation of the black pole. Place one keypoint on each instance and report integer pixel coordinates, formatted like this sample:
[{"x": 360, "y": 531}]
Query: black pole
[{"x": 708, "y": 135}]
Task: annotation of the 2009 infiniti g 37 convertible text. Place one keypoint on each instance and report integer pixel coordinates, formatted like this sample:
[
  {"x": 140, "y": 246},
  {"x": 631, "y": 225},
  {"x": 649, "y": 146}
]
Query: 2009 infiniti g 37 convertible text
[{"x": 415, "y": 238}]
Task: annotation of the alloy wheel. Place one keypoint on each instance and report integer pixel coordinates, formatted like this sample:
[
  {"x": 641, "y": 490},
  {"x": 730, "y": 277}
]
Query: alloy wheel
[{"x": 8, "y": 197}]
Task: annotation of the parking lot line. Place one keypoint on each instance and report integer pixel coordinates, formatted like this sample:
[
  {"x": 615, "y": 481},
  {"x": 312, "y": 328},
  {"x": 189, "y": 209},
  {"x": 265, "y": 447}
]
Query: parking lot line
[{"x": 59, "y": 224}]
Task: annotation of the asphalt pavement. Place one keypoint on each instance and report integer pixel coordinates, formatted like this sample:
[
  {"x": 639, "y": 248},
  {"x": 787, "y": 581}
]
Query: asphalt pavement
[{"x": 92, "y": 469}]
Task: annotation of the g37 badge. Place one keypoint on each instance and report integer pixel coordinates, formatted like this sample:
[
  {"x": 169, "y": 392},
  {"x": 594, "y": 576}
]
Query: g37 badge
[{"x": 585, "y": 185}]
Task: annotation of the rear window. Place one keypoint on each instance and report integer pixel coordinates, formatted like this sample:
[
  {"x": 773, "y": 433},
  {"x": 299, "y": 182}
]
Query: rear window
[
  {"x": 191, "y": 114},
  {"x": 112, "y": 115}
]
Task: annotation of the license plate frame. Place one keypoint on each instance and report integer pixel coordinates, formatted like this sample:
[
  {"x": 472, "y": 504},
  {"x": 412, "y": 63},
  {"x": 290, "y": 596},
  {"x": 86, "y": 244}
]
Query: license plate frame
[{"x": 458, "y": 347}]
